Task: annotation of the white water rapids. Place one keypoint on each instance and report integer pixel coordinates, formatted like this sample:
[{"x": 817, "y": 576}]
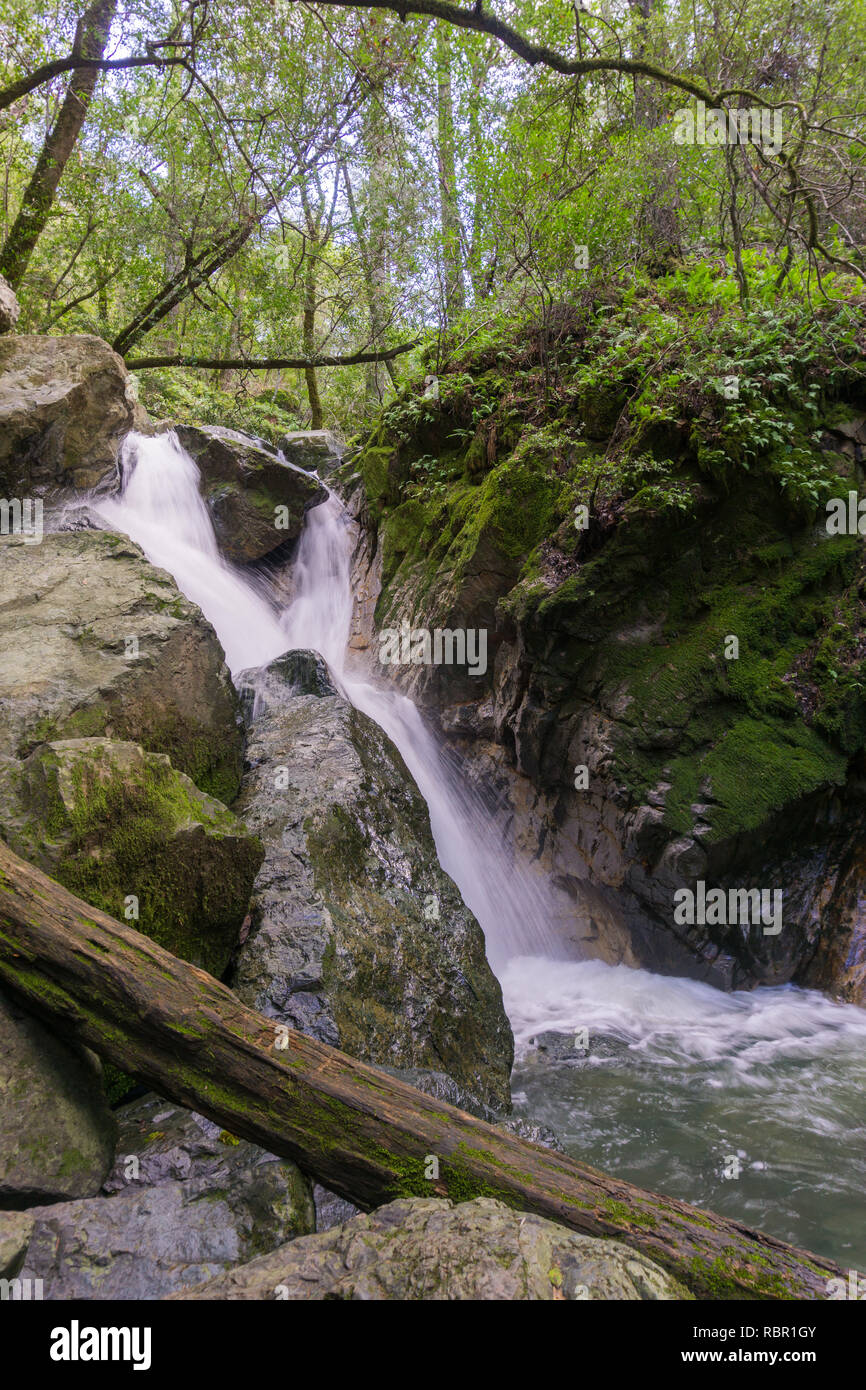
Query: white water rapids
[{"x": 687, "y": 1078}]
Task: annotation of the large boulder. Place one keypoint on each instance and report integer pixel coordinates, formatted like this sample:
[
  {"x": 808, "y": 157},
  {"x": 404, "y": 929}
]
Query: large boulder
[
  {"x": 358, "y": 937},
  {"x": 428, "y": 1250},
  {"x": 57, "y": 1134},
  {"x": 65, "y": 405},
  {"x": 112, "y": 822},
  {"x": 95, "y": 641},
  {"x": 256, "y": 500},
  {"x": 10, "y": 309},
  {"x": 186, "y": 1202}
]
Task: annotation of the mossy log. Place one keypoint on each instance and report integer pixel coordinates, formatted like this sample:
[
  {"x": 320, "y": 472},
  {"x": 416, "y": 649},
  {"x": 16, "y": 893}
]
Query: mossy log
[{"x": 360, "y": 1132}]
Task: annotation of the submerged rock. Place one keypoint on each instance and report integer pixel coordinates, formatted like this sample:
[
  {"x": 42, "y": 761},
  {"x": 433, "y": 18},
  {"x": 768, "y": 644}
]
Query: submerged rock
[
  {"x": 111, "y": 822},
  {"x": 358, "y": 937},
  {"x": 245, "y": 484},
  {"x": 426, "y": 1249},
  {"x": 66, "y": 402},
  {"x": 57, "y": 1133},
  {"x": 95, "y": 641}
]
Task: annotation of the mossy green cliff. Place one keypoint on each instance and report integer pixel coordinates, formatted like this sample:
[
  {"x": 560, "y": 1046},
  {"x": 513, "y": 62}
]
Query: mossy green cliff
[{"x": 616, "y": 505}]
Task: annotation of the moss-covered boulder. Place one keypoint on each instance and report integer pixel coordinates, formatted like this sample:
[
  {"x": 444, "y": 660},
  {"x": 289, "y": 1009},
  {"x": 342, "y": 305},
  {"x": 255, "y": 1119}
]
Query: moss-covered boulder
[
  {"x": 428, "y": 1250},
  {"x": 126, "y": 832},
  {"x": 256, "y": 500},
  {"x": 357, "y": 936},
  {"x": 95, "y": 641},
  {"x": 57, "y": 1134}
]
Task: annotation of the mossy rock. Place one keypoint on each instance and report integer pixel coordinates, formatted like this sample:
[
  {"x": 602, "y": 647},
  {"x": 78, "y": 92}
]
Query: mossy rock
[
  {"x": 128, "y": 833},
  {"x": 257, "y": 501},
  {"x": 87, "y": 594}
]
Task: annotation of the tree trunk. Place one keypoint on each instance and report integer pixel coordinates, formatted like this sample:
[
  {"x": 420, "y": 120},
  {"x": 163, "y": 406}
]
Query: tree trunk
[
  {"x": 91, "y": 36},
  {"x": 452, "y": 259},
  {"x": 360, "y": 1132},
  {"x": 376, "y": 327},
  {"x": 377, "y": 142},
  {"x": 311, "y": 252}
]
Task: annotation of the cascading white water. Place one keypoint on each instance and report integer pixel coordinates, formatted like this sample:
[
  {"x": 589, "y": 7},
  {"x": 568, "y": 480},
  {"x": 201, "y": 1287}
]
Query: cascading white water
[
  {"x": 161, "y": 508},
  {"x": 686, "y": 1076},
  {"x": 513, "y": 908}
]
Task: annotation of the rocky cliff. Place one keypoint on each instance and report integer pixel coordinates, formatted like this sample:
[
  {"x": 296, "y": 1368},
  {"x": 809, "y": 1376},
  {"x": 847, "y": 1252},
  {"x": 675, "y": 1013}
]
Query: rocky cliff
[{"x": 674, "y": 691}]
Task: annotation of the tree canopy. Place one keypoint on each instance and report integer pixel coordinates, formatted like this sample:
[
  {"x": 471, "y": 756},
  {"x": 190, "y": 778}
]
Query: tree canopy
[{"x": 238, "y": 187}]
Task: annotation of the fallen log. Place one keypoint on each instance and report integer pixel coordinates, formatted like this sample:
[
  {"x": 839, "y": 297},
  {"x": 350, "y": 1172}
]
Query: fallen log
[{"x": 360, "y": 1132}]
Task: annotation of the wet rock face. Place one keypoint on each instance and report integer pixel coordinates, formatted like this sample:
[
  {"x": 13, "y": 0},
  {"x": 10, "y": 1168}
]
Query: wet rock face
[
  {"x": 57, "y": 1133},
  {"x": 358, "y": 937},
  {"x": 185, "y": 1201},
  {"x": 256, "y": 501},
  {"x": 95, "y": 641},
  {"x": 634, "y": 758},
  {"x": 66, "y": 403},
  {"x": 425, "y": 1249},
  {"x": 108, "y": 820}
]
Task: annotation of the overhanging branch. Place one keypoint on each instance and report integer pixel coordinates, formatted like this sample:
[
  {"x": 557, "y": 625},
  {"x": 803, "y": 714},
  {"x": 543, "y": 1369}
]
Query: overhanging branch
[
  {"x": 264, "y": 364},
  {"x": 43, "y": 74}
]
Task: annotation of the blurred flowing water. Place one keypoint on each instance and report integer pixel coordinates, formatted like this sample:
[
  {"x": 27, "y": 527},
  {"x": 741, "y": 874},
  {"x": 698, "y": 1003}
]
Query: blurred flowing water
[{"x": 664, "y": 1081}]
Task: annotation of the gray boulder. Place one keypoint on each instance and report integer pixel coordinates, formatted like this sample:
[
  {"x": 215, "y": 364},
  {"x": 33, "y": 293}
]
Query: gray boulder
[
  {"x": 95, "y": 641},
  {"x": 158, "y": 1141},
  {"x": 66, "y": 403},
  {"x": 358, "y": 937},
  {"x": 428, "y": 1250},
  {"x": 57, "y": 1133},
  {"x": 187, "y": 1201},
  {"x": 244, "y": 484}
]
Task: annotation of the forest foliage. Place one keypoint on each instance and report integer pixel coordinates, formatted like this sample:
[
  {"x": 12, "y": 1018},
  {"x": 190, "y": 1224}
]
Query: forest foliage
[{"x": 272, "y": 178}]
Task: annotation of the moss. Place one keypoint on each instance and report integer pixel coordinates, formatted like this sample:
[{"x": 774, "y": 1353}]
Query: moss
[
  {"x": 116, "y": 1084},
  {"x": 141, "y": 831},
  {"x": 724, "y": 1278},
  {"x": 627, "y": 1216}
]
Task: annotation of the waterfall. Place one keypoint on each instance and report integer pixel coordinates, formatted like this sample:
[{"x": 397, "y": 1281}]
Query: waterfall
[
  {"x": 162, "y": 510},
  {"x": 512, "y": 906},
  {"x": 680, "y": 1079}
]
